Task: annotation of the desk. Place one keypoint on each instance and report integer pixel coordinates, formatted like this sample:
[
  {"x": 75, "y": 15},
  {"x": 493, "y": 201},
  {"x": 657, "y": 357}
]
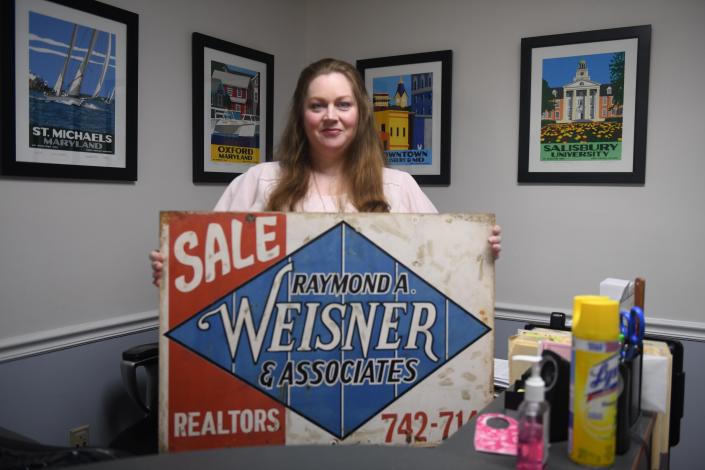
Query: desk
[{"x": 455, "y": 453}]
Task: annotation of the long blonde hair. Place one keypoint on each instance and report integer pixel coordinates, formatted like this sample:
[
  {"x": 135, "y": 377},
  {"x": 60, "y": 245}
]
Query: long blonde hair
[{"x": 364, "y": 161}]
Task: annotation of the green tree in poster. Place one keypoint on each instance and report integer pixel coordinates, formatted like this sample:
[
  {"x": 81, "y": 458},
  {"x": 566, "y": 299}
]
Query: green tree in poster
[
  {"x": 617, "y": 77},
  {"x": 547, "y": 100}
]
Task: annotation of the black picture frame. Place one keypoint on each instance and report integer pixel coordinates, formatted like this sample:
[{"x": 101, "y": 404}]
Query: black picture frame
[
  {"x": 85, "y": 128},
  {"x": 427, "y": 113},
  {"x": 585, "y": 129},
  {"x": 226, "y": 140}
]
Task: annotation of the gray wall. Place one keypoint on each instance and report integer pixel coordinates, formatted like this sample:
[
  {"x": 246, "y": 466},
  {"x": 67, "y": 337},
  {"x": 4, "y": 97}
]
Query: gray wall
[
  {"x": 560, "y": 240},
  {"x": 94, "y": 236},
  {"x": 75, "y": 252},
  {"x": 44, "y": 396}
]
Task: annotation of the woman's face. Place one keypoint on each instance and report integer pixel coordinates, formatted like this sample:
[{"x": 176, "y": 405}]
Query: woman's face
[{"x": 330, "y": 117}]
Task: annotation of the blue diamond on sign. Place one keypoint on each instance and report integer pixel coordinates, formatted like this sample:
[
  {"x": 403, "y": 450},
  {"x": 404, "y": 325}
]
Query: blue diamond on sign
[{"x": 336, "y": 331}]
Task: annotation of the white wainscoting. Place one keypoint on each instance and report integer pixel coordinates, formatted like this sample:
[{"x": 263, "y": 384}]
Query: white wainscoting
[
  {"x": 654, "y": 326},
  {"x": 52, "y": 340},
  {"x": 19, "y": 347}
]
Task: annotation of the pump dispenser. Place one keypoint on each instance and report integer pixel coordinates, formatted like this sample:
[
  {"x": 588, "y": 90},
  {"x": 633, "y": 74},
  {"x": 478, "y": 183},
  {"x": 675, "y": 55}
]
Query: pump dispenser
[{"x": 533, "y": 420}]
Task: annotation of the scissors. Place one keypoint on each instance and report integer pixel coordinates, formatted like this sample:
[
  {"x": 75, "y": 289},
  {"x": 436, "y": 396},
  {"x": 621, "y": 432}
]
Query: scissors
[{"x": 632, "y": 327}]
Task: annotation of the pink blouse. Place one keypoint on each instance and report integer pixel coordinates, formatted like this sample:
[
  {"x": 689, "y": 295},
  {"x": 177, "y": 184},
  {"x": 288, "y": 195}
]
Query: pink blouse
[{"x": 249, "y": 192}]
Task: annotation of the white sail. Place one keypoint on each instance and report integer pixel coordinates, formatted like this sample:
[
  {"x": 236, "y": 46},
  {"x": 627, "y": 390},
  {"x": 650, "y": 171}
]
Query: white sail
[
  {"x": 75, "y": 87},
  {"x": 106, "y": 62},
  {"x": 60, "y": 79}
]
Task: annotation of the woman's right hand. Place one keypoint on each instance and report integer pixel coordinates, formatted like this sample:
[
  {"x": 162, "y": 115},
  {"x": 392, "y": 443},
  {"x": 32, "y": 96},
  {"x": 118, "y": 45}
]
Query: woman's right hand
[{"x": 157, "y": 260}]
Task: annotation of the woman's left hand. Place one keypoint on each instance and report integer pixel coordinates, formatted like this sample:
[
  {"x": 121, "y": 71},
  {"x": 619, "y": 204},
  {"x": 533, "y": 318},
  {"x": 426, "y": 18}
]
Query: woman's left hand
[{"x": 495, "y": 241}]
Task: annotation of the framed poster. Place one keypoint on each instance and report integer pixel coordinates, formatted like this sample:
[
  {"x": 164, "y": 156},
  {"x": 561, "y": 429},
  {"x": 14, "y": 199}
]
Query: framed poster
[
  {"x": 69, "y": 90},
  {"x": 232, "y": 108},
  {"x": 411, "y": 95},
  {"x": 295, "y": 328},
  {"x": 583, "y": 107}
]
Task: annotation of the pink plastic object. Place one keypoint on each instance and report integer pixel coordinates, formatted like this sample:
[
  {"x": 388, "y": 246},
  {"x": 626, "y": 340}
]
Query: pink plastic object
[
  {"x": 531, "y": 447},
  {"x": 497, "y": 440},
  {"x": 562, "y": 350}
]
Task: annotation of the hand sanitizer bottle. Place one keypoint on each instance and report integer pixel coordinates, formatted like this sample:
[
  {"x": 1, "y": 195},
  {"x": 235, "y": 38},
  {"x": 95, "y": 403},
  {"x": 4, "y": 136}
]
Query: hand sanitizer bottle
[{"x": 533, "y": 420}]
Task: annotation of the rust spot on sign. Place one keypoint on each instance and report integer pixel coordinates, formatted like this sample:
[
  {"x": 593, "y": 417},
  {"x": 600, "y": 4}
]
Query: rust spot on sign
[{"x": 469, "y": 377}]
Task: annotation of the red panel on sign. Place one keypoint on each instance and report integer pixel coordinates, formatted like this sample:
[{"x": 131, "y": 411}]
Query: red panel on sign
[
  {"x": 208, "y": 408},
  {"x": 234, "y": 414}
]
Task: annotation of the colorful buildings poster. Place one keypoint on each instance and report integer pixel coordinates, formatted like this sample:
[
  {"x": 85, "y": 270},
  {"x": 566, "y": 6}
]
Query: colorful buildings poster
[{"x": 403, "y": 109}]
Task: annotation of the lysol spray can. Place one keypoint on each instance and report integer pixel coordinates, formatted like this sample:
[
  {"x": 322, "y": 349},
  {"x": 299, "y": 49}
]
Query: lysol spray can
[{"x": 594, "y": 381}]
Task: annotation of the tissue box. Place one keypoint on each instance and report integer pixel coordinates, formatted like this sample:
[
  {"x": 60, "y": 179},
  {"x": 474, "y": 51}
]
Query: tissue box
[{"x": 619, "y": 290}]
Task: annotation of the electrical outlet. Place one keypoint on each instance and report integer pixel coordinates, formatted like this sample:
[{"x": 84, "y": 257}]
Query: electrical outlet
[{"x": 78, "y": 437}]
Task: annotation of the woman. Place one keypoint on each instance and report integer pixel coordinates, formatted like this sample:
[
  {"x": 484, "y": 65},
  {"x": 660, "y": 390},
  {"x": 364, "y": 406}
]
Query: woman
[{"x": 330, "y": 158}]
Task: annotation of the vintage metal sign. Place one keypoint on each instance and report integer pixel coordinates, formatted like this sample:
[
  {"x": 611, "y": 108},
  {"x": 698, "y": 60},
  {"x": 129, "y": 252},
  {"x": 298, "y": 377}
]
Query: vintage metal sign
[{"x": 323, "y": 328}]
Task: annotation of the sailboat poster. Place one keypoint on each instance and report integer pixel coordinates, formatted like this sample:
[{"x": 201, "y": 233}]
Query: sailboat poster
[
  {"x": 74, "y": 94},
  {"x": 71, "y": 86}
]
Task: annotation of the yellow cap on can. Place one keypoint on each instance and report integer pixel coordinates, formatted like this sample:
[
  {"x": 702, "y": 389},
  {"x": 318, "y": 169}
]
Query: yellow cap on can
[{"x": 595, "y": 317}]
